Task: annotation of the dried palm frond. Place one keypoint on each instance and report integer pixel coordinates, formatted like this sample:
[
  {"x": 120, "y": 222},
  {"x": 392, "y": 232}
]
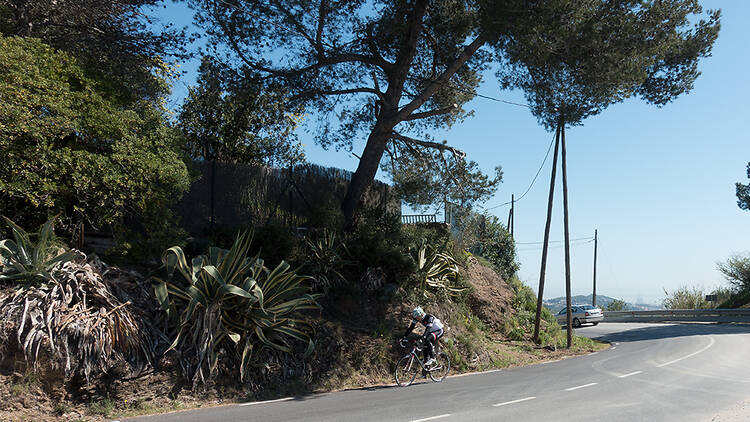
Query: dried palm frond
[{"x": 75, "y": 322}]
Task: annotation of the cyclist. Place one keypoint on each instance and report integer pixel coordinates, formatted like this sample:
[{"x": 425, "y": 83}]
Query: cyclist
[{"x": 433, "y": 330}]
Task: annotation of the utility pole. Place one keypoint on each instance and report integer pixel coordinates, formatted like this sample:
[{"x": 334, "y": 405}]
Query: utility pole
[
  {"x": 543, "y": 270},
  {"x": 593, "y": 300},
  {"x": 567, "y": 236},
  {"x": 511, "y": 214}
]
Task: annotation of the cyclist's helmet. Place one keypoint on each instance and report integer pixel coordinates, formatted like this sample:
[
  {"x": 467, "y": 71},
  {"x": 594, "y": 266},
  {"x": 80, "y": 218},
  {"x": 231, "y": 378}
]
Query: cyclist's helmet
[{"x": 417, "y": 312}]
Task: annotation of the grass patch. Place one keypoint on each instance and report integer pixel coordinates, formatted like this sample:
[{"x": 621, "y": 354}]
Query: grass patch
[{"x": 103, "y": 407}]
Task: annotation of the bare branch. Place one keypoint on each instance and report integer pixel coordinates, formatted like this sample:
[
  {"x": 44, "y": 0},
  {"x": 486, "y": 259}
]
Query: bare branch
[
  {"x": 431, "y": 113},
  {"x": 428, "y": 144},
  {"x": 359, "y": 90},
  {"x": 301, "y": 29}
]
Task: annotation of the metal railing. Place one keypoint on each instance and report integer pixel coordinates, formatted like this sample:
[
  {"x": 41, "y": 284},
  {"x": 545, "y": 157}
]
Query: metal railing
[
  {"x": 418, "y": 218},
  {"x": 679, "y": 315}
]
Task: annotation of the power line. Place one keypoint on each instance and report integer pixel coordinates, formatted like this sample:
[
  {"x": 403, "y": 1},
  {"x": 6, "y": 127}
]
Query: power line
[
  {"x": 555, "y": 241},
  {"x": 532, "y": 181}
]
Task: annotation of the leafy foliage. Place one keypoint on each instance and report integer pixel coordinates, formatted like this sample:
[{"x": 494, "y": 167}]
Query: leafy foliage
[
  {"x": 68, "y": 149},
  {"x": 233, "y": 118},
  {"x": 743, "y": 193},
  {"x": 115, "y": 40},
  {"x": 685, "y": 297},
  {"x": 737, "y": 271},
  {"x": 73, "y": 321},
  {"x": 226, "y": 304},
  {"x": 616, "y": 305},
  {"x": 575, "y": 58},
  {"x": 485, "y": 236},
  {"x": 24, "y": 259}
]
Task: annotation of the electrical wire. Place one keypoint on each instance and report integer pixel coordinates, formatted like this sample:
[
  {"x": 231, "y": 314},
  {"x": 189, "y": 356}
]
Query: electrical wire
[{"x": 532, "y": 181}]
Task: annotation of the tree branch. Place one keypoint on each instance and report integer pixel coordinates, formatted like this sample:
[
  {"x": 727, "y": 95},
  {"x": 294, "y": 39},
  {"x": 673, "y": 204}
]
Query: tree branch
[
  {"x": 437, "y": 112},
  {"x": 338, "y": 92},
  {"x": 441, "y": 80},
  {"x": 428, "y": 144}
]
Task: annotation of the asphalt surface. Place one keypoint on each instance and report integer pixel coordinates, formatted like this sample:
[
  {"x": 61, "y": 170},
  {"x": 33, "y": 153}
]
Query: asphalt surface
[{"x": 653, "y": 372}]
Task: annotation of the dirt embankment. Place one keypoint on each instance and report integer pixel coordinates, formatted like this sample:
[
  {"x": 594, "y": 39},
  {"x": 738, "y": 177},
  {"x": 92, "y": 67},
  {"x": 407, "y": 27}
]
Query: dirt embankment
[{"x": 492, "y": 296}]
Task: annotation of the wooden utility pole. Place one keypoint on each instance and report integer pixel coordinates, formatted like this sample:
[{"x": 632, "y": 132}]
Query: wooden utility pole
[
  {"x": 593, "y": 299},
  {"x": 567, "y": 236},
  {"x": 512, "y": 214},
  {"x": 543, "y": 269}
]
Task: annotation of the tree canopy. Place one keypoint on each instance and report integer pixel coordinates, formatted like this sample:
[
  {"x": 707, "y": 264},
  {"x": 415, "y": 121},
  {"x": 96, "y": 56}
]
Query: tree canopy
[
  {"x": 231, "y": 118},
  {"x": 114, "y": 39},
  {"x": 574, "y": 59},
  {"x": 70, "y": 148}
]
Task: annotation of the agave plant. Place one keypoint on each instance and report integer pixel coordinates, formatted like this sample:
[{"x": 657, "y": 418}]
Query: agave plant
[
  {"x": 436, "y": 269},
  {"x": 326, "y": 259},
  {"x": 23, "y": 259},
  {"x": 226, "y": 300}
]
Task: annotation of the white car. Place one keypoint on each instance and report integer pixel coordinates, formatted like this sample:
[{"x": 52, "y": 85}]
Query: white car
[{"x": 582, "y": 314}]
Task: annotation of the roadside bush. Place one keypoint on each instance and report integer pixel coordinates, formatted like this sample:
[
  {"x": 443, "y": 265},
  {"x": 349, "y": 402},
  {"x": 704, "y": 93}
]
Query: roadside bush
[
  {"x": 225, "y": 305},
  {"x": 737, "y": 271},
  {"x": 616, "y": 305},
  {"x": 685, "y": 298}
]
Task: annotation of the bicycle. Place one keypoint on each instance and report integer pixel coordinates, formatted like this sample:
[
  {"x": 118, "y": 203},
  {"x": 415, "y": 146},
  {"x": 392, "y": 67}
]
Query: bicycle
[{"x": 407, "y": 368}]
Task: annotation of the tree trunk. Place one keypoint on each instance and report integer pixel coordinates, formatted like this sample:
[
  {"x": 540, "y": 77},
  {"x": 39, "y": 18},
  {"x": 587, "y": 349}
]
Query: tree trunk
[
  {"x": 543, "y": 270},
  {"x": 567, "y": 237},
  {"x": 365, "y": 173}
]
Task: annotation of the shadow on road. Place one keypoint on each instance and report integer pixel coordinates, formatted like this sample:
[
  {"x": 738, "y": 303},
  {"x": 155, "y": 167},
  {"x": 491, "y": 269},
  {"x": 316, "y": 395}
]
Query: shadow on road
[{"x": 654, "y": 332}]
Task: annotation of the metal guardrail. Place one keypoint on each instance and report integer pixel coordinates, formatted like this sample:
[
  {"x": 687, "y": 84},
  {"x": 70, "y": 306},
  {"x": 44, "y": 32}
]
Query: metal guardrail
[
  {"x": 679, "y": 315},
  {"x": 418, "y": 218}
]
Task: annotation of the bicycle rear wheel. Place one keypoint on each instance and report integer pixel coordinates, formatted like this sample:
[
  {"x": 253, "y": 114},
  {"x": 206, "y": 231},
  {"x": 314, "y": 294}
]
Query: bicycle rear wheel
[
  {"x": 406, "y": 370},
  {"x": 441, "y": 367}
]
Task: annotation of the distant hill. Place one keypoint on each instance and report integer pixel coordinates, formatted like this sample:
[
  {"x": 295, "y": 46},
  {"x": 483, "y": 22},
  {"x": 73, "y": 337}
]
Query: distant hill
[{"x": 602, "y": 301}]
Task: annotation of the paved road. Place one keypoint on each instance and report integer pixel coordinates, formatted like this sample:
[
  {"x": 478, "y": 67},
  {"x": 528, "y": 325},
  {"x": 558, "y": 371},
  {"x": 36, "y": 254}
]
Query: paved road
[{"x": 654, "y": 372}]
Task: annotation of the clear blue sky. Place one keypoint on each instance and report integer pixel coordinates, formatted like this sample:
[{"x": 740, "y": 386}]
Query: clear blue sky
[{"x": 658, "y": 183}]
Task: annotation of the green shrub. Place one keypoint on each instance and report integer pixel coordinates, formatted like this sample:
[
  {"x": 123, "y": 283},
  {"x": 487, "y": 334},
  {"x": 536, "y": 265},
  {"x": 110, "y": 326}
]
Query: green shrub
[
  {"x": 685, "y": 298},
  {"x": 326, "y": 259},
  {"x": 225, "y": 300},
  {"x": 27, "y": 260}
]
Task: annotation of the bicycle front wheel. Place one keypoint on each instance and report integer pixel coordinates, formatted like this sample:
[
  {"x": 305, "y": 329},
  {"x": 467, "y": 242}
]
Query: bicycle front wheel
[
  {"x": 441, "y": 367},
  {"x": 406, "y": 370}
]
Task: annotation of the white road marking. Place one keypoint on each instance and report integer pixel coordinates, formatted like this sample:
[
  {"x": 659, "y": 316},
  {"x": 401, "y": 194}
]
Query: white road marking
[
  {"x": 267, "y": 401},
  {"x": 630, "y": 374},
  {"x": 613, "y": 348},
  {"x": 711, "y": 343},
  {"x": 431, "y": 418},
  {"x": 581, "y": 386},
  {"x": 514, "y": 401},
  {"x": 474, "y": 373},
  {"x": 592, "y": 354},
  {"x": 551, "y": 361}
]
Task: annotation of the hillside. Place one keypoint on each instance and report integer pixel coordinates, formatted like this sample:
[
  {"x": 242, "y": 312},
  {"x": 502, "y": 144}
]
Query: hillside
[
  {"x": 602, "y": 301},
  {"x": 355, "y": 346}
]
